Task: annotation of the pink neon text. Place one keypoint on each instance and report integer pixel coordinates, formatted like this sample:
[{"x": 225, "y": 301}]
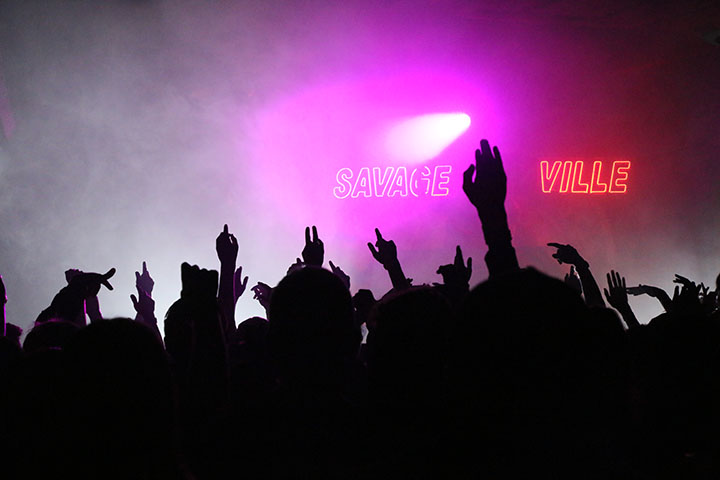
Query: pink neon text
[{"x": 392, "y": 181}]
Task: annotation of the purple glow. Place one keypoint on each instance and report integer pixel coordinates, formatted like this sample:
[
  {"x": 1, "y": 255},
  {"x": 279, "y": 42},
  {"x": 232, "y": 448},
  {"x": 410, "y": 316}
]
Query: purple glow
[
  {"x": 339, "y": 139},
  {"x": 424, "y": 137}
]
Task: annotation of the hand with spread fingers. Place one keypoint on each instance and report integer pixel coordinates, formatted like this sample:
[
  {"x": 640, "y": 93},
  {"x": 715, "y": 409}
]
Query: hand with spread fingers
[
  {"x": 616, "y": 295},
  {"x": 485, "y": 183}
]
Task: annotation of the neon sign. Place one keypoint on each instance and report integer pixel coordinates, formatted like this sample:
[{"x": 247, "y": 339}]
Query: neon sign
[
  {"x": 392, "y": 181},
  {"x": 566, "y": 176}
]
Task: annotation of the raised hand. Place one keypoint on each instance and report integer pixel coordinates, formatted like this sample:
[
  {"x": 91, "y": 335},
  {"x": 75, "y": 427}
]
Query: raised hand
[
  {"x": 70, "y": 302},
  {"x": 386, "y": 255},
  {"x": 92, "y": 304},
  {"x": 572, "y": 280},
  {"x": 226, "y": 246},
  {"x": 145, "y": 307},
  {"x": 198, "y": 283},
  {"x": 386, "y": 252},
  {"x": 3, "y": 292},
  {"x": 240, "y": 284},
  {"x": 89, "y": 283},
  {"x": 485, "y": 185},
  {"x": 262, "y": 293},
  {"x": 143, "y": 281},
  {"x": 567, "y": 254},
  {"x": 616, "y": 295},
  {"x": 143, "y": 303},
  {"x": 686, "y": 299},
  {"x": 340, "y": 274},
  {"x": 314, "y": 251},
  {"x": 655, "y": 292},
  {"x": 71, "y": 273},
  {"x": 3, "y": 301},
  {"x": 684, "y": 282},
  {"x": 298, "y": 265},
  {"x": 457, "y": 273},
  {"x": 588, "y": 286},
  {"x": 488, "y": 188}
]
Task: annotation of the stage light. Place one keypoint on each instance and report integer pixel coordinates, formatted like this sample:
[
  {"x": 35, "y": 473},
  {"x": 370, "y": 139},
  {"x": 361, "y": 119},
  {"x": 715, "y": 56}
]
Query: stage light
[{"x": 421, "y": 138}]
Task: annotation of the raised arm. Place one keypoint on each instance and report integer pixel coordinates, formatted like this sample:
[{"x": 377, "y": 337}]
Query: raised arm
[
  {"x": 226, "y": 247},
  {"x": 240, "y": 284},
  {"x": 485, "y": 185},
  {"x": 568, "y": 254},
  {"x": 92, "y": 304},
  {"x": 143, "y": 303},
  {"x": 314, "y": 251},
  {"x": 262, "y": 292},
  {"x": 385, "y": 252},
  {"x": 654, "y": 292},
  {"x": 69, "y": 303},
  {"x": 456, "y": 277},
  {"x": 3, "y": 301},
  {"x": 616, "y": 295}
]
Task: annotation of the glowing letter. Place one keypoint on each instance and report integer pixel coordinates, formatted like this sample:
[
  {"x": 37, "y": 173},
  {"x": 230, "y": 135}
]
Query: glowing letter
[
  {"x": 548, "y": 179},
  {"x": 566, "y": 176},
  {"x": 382, "y": 183},
  {"x": 399, "y": 183},
  {"x": 424, "y": 177},
  {"x": 440, "y": 180},
  {"x": 343, "y": 178},
  {"x": 619, "y": 176},
  {"x": 577, "y": 185},
  {"x": 595, "y": 185},
  {"x": 362, "y": 184}
]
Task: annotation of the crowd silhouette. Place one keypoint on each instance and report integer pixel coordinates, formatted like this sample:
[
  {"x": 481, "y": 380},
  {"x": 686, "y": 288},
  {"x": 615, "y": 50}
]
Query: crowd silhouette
[{"x": 519, "y": 376}]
